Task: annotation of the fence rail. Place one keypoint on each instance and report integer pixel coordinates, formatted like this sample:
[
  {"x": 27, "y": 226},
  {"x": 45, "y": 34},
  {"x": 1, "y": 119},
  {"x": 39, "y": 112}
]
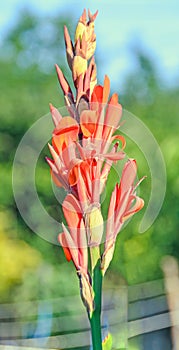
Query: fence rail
[{"x": 127, "y": 312}]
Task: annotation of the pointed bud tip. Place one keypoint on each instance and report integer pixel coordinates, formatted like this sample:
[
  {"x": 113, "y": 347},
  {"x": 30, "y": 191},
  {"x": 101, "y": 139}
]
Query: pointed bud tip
[
  {"x": 83, "y": 17},
  {"x": 48, "y": 160},
  {"x": 92, "y": 17},
  {"x": 49, "y": 146},
  {"x": 51, "y": 107}
]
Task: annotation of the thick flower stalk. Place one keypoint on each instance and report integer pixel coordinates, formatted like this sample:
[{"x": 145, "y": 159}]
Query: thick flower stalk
[{"x": 84, "y": 147}]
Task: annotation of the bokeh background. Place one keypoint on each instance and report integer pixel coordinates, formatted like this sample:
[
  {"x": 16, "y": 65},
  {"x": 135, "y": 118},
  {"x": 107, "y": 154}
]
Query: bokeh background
[{"x": 137, "y": 46}]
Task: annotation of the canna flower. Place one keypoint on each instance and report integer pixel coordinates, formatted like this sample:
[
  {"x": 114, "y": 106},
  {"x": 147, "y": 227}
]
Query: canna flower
[
  {"x": 84, "y": 147},
  {"x": 123, "y": 204}
]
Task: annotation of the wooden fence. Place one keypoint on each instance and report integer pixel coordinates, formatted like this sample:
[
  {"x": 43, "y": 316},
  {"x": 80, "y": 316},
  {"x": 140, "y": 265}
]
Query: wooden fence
[{"x": 62, "y": 323}]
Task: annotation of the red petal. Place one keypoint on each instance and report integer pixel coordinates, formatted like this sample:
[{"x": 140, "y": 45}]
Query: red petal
[{"x": 97, "y": 94}]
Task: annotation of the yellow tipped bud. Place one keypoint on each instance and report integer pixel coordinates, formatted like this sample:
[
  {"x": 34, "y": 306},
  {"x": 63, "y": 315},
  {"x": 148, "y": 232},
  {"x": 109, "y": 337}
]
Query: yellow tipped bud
[
  {"x": 91, "y": 40},
  {"x": 94, "y": 221},
  {"x": 79, "y": 66},
  {"x": 79, "y": 31},
  {"x": 85, "y": 30},
  {"x": 108, "y": 255},
  {"x": 93, "y": 80}
]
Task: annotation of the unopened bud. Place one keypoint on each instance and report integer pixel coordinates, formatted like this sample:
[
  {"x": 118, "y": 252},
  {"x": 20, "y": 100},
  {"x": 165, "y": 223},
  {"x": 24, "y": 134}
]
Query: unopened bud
[
  {"x": 94, "y": 221},
  {"x": 87, "y": 293},
  {"x": 85, "y": 30},
  {"x": 79, "y": 66},
  {"x": 80, "y": 29},
  {"x": 107, "y": 256}
]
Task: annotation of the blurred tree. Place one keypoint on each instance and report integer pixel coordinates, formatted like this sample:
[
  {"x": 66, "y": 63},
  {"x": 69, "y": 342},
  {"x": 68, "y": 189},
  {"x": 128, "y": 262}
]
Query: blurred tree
[
  {"x": 142, "y": 84},
  {"x": 156, "y": 105},
  {"x": 28, "y": 83}
]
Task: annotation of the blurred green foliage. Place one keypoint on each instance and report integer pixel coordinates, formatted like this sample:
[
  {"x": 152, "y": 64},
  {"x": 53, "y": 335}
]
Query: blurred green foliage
[{"x": 28, "y": 83}]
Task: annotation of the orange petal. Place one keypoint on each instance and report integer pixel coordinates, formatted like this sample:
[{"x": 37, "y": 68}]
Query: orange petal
[
  {"x": 88, "y": 121},
  {"x": 120, "y": 138},
  {"x": 137, "y": 206},
  {"x": 128, "y": 175},
  {"x": 115, "y": 156},
  {"x": 67, "y": 254},
  {"x": 72, "y": 211},
  {"x": 63, "y": 242},
  {"x": 65, "y": 132},
  {"x": 106, "y": 89},
  {"x": 97, "y": 94},
  {"x": 67, "y": 125},
  {"x": 113, "y": 115},
  {"x": 56, "y": 179},
  {"x": 73, "y": 175},
  {"x": 56, "y": 116},
  {"x": 67, "y": 241},
  {"x": 114, "y": 99}
]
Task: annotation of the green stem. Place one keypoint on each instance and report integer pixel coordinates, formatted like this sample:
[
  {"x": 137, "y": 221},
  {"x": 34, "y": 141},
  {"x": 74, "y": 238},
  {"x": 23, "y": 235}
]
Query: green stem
[{"x": 95, "y": 320}]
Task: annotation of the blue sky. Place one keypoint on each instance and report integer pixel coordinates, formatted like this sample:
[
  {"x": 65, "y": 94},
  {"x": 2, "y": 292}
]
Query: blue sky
[{"x": 152, "y": 23}]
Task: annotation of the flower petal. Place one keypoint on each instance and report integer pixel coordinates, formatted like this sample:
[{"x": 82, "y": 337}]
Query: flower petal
[
  {"x": 63, "y": 242},
  {"x": 115, "y": 156},
  {"x": 88, "y": 121},
  {"x": 106, "y": 89},
  {"x": 72, "y": 211},
  {"x": 67, "y": 125},
  {"x": 128, "y": 175},
  {"x": 56, "y": 116},
  {"x": 136, "y": 207},
  {"x": 97, "y": 94},
  {"x": 119, "y": 138}
]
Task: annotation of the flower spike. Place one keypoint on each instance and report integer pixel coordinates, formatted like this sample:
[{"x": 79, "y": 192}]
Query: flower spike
[{"x": 85, "y": 145}]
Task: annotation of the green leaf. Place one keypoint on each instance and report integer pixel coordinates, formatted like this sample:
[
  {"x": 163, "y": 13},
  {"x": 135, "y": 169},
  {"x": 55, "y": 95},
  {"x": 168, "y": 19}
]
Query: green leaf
[{"x": 107, "y": 342}]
